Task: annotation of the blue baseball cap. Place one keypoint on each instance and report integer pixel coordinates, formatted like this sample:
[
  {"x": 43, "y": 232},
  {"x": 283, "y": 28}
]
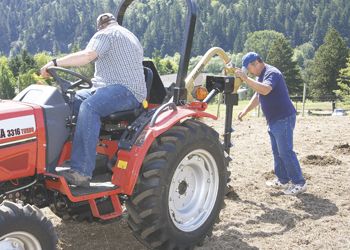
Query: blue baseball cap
[{"x": 248, "y": 58}]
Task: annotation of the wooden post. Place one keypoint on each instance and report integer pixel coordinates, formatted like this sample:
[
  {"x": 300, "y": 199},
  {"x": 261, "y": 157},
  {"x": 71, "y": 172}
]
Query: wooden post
[{"x": 304, "y": 99}]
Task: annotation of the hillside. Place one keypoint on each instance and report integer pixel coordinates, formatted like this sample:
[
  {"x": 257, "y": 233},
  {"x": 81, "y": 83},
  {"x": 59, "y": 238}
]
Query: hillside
[{"x": 62, "y": 25}]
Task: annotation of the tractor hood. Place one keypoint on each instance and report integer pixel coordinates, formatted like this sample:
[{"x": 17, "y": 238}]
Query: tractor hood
[
  {"x": 9, "y": 107},
  {"x": 16, "y": 120},
  {"x": 20, "y": 124}
]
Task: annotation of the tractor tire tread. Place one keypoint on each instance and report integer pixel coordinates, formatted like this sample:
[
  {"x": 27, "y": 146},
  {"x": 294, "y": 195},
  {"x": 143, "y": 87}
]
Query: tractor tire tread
[
  {"x": 18, "y": 217},
  {"x": 144, "y": 217}
]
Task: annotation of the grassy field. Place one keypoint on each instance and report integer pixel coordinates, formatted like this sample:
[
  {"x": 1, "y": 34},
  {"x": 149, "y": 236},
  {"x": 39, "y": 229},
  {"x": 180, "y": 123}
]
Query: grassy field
[{"x": 324, "y": 107}]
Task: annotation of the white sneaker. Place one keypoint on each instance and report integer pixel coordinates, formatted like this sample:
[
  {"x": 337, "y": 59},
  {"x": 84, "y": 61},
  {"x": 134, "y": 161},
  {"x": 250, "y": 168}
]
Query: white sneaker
[
  {"x": 277, "y": 184},
  {"x": 295, "y": 189}
]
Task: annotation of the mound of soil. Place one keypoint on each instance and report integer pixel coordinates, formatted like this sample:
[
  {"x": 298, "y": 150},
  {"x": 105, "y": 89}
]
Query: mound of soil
[
  {"x": 342, "y": 148},
  {"x": 320, "y": 160}
]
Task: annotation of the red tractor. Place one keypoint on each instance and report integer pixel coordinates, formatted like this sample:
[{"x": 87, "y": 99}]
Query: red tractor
[{"x": 159, "y": 164}]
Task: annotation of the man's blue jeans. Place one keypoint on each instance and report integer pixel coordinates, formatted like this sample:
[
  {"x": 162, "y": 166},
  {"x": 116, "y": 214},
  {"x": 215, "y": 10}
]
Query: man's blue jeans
[
  {"x": 91, "y": 105},
  {"x": 287, "y": 167}
]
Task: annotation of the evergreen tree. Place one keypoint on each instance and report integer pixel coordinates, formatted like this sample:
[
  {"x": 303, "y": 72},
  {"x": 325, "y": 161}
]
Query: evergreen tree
[
  {"x": 321, "y": 25},
  {"x": 329, "y": 59},
  {"x": 22, "y": 63},
  {"x": 46, "y": 25},
  {"x": 281, "y": 56},
  {"x": 343, "y": 93},
  {"x": 23, "y": 67},
  {"x": 7, "y": 81}
]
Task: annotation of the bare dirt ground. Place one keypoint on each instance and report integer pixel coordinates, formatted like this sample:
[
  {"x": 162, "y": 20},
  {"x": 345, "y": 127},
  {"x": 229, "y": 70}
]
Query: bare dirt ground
[{"x": 256, "y": 217}]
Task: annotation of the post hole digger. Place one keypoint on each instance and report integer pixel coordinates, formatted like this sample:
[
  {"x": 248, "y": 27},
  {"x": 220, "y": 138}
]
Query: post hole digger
[{"x": 159, "y": 163}]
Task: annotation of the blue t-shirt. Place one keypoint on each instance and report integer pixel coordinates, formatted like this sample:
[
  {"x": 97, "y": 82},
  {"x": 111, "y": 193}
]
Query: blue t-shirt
[{"x": 277, "y": 104}]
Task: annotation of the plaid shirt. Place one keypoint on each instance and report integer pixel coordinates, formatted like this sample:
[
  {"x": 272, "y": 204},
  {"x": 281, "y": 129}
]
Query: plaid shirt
[{"x": 119, "y": 60}]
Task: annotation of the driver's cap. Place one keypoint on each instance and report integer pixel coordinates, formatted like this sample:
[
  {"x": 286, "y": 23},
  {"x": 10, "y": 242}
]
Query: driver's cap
[{"x": 104, "y": 19}]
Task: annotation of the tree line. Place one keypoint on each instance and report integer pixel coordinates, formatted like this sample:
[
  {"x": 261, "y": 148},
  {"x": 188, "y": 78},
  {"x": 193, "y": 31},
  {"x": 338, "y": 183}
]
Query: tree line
[
  {"x": 325, "y": 71},
  {"x": 63, "y": 25}
]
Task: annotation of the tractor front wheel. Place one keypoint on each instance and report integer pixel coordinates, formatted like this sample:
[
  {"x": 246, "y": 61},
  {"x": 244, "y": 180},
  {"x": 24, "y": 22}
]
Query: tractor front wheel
[
  {"x": 25, "y": 228},
  {"x": 181, "y": 187}
]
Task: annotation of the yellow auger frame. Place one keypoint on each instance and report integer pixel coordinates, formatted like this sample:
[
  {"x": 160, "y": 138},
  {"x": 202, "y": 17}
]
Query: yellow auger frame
[{"x": 228, "y": 70}]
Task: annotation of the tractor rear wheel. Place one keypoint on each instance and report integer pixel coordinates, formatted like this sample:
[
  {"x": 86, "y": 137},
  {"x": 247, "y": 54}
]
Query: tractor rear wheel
[
  {"x": 181, "y": 188},
  {"x": 25, "y": 228}
]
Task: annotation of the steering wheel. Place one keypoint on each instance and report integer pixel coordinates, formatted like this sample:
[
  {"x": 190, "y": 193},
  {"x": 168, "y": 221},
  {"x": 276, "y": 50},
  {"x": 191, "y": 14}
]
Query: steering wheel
[{"x": 83, "y": 82}]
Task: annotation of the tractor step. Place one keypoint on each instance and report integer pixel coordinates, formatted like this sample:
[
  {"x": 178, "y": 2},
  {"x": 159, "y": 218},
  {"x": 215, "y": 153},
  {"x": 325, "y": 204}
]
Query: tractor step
[
  {"x": 114, "y": 211},
  {"x": 99, "y": 183},
  {"x": 100, "y": 186},
  {"x": 94, "y": 188},
  {"x": 102, "y": 195}
]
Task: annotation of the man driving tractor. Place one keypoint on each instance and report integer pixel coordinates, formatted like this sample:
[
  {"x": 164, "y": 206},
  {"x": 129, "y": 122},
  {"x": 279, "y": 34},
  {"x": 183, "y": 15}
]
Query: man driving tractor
[{"x": 118, "y": 84}]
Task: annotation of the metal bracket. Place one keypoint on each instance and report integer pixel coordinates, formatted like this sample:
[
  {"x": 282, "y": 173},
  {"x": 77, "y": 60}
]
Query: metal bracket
[{"x": 161, "y": 109}]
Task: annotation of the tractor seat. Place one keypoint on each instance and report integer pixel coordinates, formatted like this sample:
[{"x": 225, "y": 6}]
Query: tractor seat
[{"x": 131, "y": 115}]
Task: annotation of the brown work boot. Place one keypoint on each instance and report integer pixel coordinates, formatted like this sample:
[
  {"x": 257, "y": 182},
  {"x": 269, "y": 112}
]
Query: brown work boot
[{"x": 74, "y": 178}]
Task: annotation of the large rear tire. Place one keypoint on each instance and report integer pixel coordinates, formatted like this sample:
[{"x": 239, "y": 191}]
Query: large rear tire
[
  {"x": 181, "y": 188},
  {"x": 25, "y": 228}
]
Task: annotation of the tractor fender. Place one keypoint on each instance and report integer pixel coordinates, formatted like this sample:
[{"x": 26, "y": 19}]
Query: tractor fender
[{"x": 127, "y": 168}]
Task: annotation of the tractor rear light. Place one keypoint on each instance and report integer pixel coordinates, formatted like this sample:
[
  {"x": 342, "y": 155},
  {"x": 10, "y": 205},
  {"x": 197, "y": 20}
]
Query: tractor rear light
[{"x": 201, "y": 93}]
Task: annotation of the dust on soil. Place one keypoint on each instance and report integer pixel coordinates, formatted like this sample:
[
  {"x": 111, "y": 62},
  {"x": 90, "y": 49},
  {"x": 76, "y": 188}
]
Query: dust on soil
[{"x": 256, "y": 217}]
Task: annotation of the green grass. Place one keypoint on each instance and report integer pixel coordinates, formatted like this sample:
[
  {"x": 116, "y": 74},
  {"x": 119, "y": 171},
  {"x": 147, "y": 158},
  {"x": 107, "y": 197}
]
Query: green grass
[
  {"x": 309, "y": 105},
  {"x": 324, "y": 106}
]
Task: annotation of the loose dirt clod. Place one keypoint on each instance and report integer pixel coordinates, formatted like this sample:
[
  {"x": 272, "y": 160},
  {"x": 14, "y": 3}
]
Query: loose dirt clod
[
  {"x": 269, "y": 175},
  {"x": 231, "y": 194},
  {"x": 342, "y": 148},
  {"x": 321, "y": 160}
]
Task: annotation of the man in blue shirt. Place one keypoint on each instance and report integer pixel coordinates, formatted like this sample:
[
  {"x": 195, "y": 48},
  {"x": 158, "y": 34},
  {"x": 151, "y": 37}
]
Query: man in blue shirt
[{"x": 272, "y": 94}]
